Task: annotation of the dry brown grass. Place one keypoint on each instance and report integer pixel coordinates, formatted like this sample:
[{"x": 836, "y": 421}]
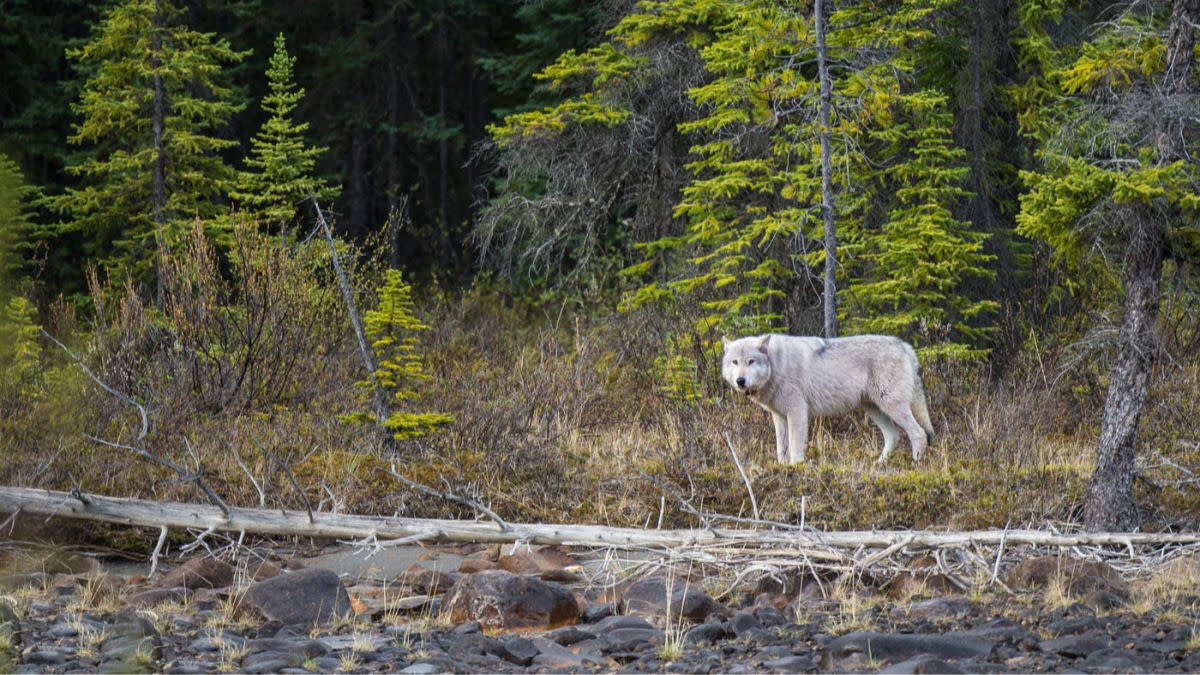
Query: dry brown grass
[{"x": 568, "y": 418}]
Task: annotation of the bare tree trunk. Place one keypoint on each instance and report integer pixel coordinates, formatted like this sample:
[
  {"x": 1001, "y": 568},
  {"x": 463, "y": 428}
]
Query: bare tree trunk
[
  {"x": 1108, "y": 504},
  {"x": 826, "y": 174},
  {"x": 382, "y": 410},
  {"x": 791, "y": 544},
  {"x": 444, "y": 253},
  {"x": 158, "y": 180},
  {"x": 1109, "y": 501}
]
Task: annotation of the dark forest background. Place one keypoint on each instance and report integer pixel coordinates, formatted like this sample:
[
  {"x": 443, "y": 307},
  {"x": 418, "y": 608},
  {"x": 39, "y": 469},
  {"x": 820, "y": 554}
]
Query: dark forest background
[{"x": 400, "y": 93}]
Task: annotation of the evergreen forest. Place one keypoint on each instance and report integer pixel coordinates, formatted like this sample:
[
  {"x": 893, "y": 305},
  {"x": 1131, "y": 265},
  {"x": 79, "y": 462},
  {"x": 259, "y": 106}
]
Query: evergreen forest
[{"x": 320, "y": 252}]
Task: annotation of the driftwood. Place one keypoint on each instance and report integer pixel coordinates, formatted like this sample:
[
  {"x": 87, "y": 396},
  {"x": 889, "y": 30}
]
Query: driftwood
[{"x": 811, "y": 543}]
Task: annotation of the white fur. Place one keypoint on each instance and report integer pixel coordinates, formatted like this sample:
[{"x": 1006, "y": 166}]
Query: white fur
[{"x": 798, "y": 378}]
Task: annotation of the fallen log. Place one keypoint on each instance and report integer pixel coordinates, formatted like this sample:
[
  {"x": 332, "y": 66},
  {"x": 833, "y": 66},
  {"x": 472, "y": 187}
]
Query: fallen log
[{"x": 815, "y": 544}]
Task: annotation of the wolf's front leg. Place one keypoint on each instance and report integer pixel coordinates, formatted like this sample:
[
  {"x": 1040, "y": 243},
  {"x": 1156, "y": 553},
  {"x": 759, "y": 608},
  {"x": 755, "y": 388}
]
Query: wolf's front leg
[
  {"x": 781, "y": 436},
  {"x": 797, "y": 428}
]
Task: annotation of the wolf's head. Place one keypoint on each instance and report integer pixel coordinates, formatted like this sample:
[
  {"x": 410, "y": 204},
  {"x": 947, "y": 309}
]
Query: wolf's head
[{"x": 746, "y": 366}]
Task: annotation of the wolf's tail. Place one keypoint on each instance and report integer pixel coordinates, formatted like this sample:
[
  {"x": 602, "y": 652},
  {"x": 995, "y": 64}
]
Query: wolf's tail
[{"x": 921, "y": 411}]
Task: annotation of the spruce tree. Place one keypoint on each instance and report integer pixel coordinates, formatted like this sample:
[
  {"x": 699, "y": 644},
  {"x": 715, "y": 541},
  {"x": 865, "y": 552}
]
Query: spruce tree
[
  {"x": 1117, "y": 190},
  {"x": 151, "y": 110},
  {"x": 16, "y": 226},
  {"x": 751, "y": 246},
  {"x": 908, "y": 269},
  {"x": 392, "y": 329},
  {"x": 280, "y": 164},
  {"x": 19, "y": 348}
]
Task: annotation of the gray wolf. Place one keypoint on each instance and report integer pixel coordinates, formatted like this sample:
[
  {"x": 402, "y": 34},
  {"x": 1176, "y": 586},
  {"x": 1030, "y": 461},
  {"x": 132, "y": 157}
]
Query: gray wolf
[{"x": 798, "y": 378}]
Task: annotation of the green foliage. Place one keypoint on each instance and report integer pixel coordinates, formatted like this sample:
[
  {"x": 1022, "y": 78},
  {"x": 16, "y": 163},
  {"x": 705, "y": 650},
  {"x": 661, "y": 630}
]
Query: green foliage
[
  {"x": 16, "y": 227},
  {"x": 544, "y": 30},
  {"x": 1102, "y": 122},
  {"x": 910, "y": 269},
  {"x": 680, "y": 369},
  {"x": 139, "y": 43},
  {"x": 238, "y": 323},
  {"x": 34, "y": 113},
  {"x": 20, "y": 353},
  {"x": 392, "y": 329},
  {"x": 281, "y": 165},
  {"x": 752, "y": 230}
]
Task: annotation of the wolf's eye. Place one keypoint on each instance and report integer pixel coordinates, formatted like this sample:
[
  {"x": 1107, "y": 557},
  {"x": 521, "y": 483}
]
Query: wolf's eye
[
  {"x": 735, "y": 362},
  {"x": 750, "y": 362}
]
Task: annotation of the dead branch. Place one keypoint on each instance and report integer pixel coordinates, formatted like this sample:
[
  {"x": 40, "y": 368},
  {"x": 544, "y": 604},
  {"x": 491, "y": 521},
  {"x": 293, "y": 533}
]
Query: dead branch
[
  {"x": 782, "y": 545},
  {"x": 193, "y": 477},
  {"x": 381, "y": 406},
  {"x": 745, "y": 479},
  {"x": 458, "y": 499},
  {"x": 291, "y": 476}
]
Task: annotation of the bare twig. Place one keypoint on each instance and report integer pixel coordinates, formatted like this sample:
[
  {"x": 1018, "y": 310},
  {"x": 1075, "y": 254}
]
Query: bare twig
[
  {"x": 195, "y": 477},
  {"x": 707, "y": 518},
  {"x": 262, "y": 497},
  {"x": 119, "y": 394},
  {"x": 185, "y": 476},
  {"x": 745, "y": 479},
  {"x": 77, "y": 491},
  {"x": 999, "y": 553},
  {"x": 291, "y": 476},
  {"x": 373, "y": 542},
  {"x": 158, "y": 547},
  {"x": 200, "y": 541},
  {"x": 11, "y": 521},
  {"x": 458, "y": 499}
]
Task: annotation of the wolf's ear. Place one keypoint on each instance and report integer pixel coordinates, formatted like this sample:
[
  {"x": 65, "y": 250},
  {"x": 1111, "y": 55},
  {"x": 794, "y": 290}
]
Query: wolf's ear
[
  {"x": 763, "y": 345},
  {"x": 725, "y": 341}
]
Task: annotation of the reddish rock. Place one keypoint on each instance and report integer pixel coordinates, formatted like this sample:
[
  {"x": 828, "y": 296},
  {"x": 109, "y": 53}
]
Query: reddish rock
[
  {"x": 503, "y": 601},
  {"x": 424, "y": 580},
  {"x": 1080, "y": 577},
  {"x": 306, "y": 597},
  {"x": 547, "y": 560},
  {"x": 648, "y": 598},
  {"x": 907, "y": 585},
  {"x": 198, "y": 573},
  {"x": 473, "y": 565}
]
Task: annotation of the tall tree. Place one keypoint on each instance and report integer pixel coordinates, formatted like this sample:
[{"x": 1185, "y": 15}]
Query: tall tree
[
  {"x": 754, "y": 225},
  {"x": 19, "y": 349},
  {"x": 16, "y": 212},
  {"x": 280, "y": 174},
  {"x": 824, "y": 129},
  {"x": 151, "y": 108},
  {"x": 1118, "y": 186}
]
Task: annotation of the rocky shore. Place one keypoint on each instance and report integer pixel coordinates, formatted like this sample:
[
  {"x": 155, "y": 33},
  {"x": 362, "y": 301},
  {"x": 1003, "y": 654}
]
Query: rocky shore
[{"x": 535, "y": 612}]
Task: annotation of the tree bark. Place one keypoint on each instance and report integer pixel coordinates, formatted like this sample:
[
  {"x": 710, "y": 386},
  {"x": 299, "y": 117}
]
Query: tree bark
[
  {"x": 382, "y": 410},
  {"x": 158, "y": 180},
  {"x": 1109, "y": 504},
  {"x": 826, "y": 96}
]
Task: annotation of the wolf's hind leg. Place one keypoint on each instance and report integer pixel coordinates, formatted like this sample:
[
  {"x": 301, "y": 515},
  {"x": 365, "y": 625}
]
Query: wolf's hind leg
[
  {"x": 891, "y": 433},
  {"x": 900, "y": 414}
]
